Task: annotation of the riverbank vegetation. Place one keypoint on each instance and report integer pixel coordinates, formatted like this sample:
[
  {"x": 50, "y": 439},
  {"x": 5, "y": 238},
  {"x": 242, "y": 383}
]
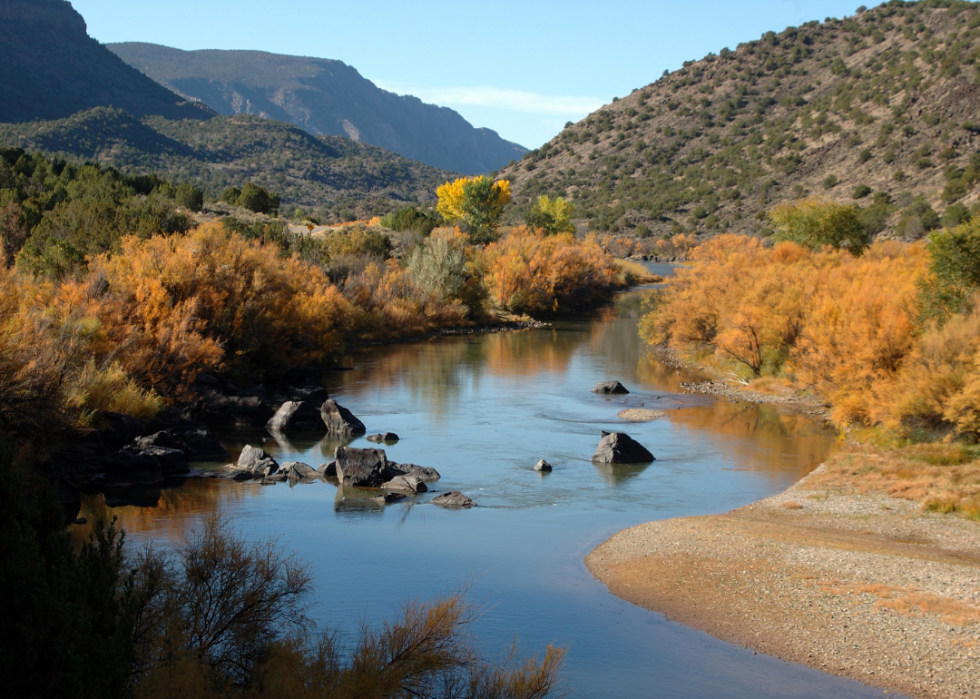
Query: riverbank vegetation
[
  {"x": 889, "y": 337},
  {"x": 219, "y": 616}
]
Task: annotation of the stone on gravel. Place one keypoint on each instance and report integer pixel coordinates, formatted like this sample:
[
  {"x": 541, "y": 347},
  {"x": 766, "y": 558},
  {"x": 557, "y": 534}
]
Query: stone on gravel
[
  {"x": 424, "y": 473},
  {"x": 620, "y": 448},
  {"x": 453, "y": 499},
  {"x": 339, "y": 420},
  {"x": 296, "y": 415},
  {"x": 406, "y": 484},
  {"x": 609, "y": 387},
  {"x": 542, "y": 465},
  {"x": 365, "y": 468},
  {"x": 257, "y": 462},
  {"x": 384, "y": 437}
]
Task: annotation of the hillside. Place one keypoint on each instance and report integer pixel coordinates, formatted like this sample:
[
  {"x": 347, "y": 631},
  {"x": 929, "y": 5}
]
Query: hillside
[
  {"x": 881, "y": 107},
  {"x": 52, "y": 69},
  {"x": 326, "y": 98},
  {"x": 331, "y": 177}
]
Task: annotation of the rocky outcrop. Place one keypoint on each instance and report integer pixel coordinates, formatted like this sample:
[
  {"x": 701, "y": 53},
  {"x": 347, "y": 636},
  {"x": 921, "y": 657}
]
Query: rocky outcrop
[
  {"x": 452, "y": 499},
  {"x": 297, "y": 415},
  {"x": 339, "y": 420},
  {"x": 620, "y": 448},
  {"x": 610, "y": 388},
  {"x": 195, "y": 441}
]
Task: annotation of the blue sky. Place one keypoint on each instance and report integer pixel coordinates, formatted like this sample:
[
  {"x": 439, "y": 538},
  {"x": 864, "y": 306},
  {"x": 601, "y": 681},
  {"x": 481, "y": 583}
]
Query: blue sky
[{"x": 520, "y": 68}]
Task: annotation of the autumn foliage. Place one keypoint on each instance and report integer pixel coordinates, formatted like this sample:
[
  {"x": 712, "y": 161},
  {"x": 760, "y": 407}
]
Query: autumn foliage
[
  {"x": 548, "y": 275},
  {"x": 849, "y": 328}
]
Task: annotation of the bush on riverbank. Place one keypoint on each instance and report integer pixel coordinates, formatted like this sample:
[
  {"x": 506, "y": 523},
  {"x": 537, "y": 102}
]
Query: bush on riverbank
[
  {"x": 548, "y": 275},
  {"x": 850, "y": 328}
]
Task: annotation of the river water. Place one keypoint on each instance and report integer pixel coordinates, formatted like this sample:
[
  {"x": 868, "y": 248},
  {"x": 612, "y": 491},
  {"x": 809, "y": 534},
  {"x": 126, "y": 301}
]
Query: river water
[{"x": 482, "y": 409}]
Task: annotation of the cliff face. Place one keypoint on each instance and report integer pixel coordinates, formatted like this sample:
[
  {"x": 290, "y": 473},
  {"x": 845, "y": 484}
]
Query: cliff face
[
  {"x": 323, "y": 97},
  {"x": 52, "y": 69}
]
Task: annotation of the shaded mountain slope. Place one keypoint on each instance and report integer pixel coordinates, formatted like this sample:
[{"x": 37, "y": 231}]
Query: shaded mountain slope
[
  {"x": 881, "y": 107},
  {"x": 51, "y": 69},
  {"x": 340, "y": 178},
  {"x": 324, "y": 97}
]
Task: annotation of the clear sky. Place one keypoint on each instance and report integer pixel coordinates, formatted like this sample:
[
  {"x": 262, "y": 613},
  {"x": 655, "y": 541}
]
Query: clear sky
[{"x": 520, "y": 68}]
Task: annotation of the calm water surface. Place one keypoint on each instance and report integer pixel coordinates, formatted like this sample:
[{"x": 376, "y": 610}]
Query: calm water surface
[{"x": 482, "y": 410}]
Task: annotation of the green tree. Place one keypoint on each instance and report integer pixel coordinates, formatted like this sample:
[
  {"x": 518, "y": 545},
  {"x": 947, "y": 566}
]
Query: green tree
[
  {"x": 257, "y": 199},
  {"x": 955, "y": 270},
  {"x": 189, "y": 197},
  {"x": 814, "y": 224}
]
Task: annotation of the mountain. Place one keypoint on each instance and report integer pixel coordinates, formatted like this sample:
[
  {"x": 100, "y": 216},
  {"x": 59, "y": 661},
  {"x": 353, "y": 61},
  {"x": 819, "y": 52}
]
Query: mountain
[
  {"x": 878, "y": 109},
  {"x": 324, "y": 97},
  {"x": 52, "y": 69},
  {"x": 334, "y": 177}
]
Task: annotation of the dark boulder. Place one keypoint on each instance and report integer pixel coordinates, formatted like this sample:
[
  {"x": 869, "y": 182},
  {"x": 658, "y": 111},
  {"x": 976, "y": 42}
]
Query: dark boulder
[
  {"x": 316, "y": 395},
  {"x": 424, "y": 473},
  {"x": 609, "y": 388},
  {"x": 364, "y": 468},
  {"x": 194, "y": 439},
  {"x": 384, "y": 437},
  {"x": 339, "y": 420},
  {"x": 296, "y": 470},
  {"x": 328, "y": 470},
  {"x": 120, "y": 430},
  {"x": 542, "y": 465},
  {"x": 454, "y": 499},
  {"x": 250, "y": 410},
  {"x": 145, "y": 466},
  {"x": 388, "y": 498},
  {"x": 297, "y": 415},
  {"x": 257, "y": 462},
  {"x": 620, "y": 448}
]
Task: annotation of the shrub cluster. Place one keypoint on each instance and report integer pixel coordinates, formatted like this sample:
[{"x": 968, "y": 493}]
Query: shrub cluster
[{"x": 891, "y": 337}]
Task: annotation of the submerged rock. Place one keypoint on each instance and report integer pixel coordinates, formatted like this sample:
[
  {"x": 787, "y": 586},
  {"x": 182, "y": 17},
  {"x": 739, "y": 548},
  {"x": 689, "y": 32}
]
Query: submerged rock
[
  {"x": 453, "y": 499},
  {"x": 339, "y": 420},
  {"x": 620, "y": 448},
  {"x": 388, "y": 498},
  {"x": 384, "y": 437},
  {"x": 609, "y": 387}
]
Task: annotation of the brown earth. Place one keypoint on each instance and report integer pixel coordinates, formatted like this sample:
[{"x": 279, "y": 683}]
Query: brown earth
[{"x": 861, "y": 585}]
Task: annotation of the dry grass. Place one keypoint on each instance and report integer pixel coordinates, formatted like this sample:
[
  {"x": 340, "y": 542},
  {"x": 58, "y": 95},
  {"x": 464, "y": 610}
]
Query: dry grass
[
  {"x": 909, "y": 602},
  {"x": 792, "y": 505},
  {"x": 634, "y": 274},
  {"x": 940, "y": 477}
]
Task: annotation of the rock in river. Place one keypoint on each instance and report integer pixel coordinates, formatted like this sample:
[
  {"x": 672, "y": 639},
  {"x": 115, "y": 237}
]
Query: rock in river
[
  {"x": 257, "y": 462},
  {"x": 620, "y": 448},
  {"x": 542, "y": 465},
  {"x": 609, "y": 387},
  {"x": 452, "y": 499},
  {"x": 339, "y": 420},
  {"x": 297, "y": 415},
  {"x": 386, "y": 437},
  {"x": 406, "y": 484},
  {"x": 297, "y": 469},
  {"x": 365, "y": 468},
  {"x": 424, "y": 473}
]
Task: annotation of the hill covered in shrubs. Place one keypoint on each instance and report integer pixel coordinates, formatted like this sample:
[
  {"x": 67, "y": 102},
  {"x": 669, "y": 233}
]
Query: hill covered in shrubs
[{"x": 880, "y": 110}]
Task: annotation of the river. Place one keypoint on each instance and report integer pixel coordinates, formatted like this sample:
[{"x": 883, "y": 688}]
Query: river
[{"x": 482, "y": 409}]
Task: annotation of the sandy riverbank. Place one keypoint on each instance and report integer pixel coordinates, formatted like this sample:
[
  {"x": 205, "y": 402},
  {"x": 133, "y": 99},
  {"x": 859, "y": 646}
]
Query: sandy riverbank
[{"x": 861, "y": 585}]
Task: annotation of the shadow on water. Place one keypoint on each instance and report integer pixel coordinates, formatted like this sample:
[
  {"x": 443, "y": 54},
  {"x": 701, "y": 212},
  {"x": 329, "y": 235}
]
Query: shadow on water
[{"x": 482, "y": 409}]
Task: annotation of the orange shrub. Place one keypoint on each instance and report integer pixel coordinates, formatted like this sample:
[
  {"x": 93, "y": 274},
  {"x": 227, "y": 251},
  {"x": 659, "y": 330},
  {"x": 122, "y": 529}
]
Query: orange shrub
[
  {"x": 840, "y": 324},
  {"x": 547, "y": 276}
]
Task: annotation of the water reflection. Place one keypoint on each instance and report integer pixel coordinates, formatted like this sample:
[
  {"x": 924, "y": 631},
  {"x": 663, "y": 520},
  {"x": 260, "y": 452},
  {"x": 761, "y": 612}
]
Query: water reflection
[{"x": 617, "y": 474}]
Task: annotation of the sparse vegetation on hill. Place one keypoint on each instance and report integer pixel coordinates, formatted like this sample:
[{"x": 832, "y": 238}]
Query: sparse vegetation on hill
[
  {"x": 878, "y": 110},
  {"x": 330, "y": 177}
]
